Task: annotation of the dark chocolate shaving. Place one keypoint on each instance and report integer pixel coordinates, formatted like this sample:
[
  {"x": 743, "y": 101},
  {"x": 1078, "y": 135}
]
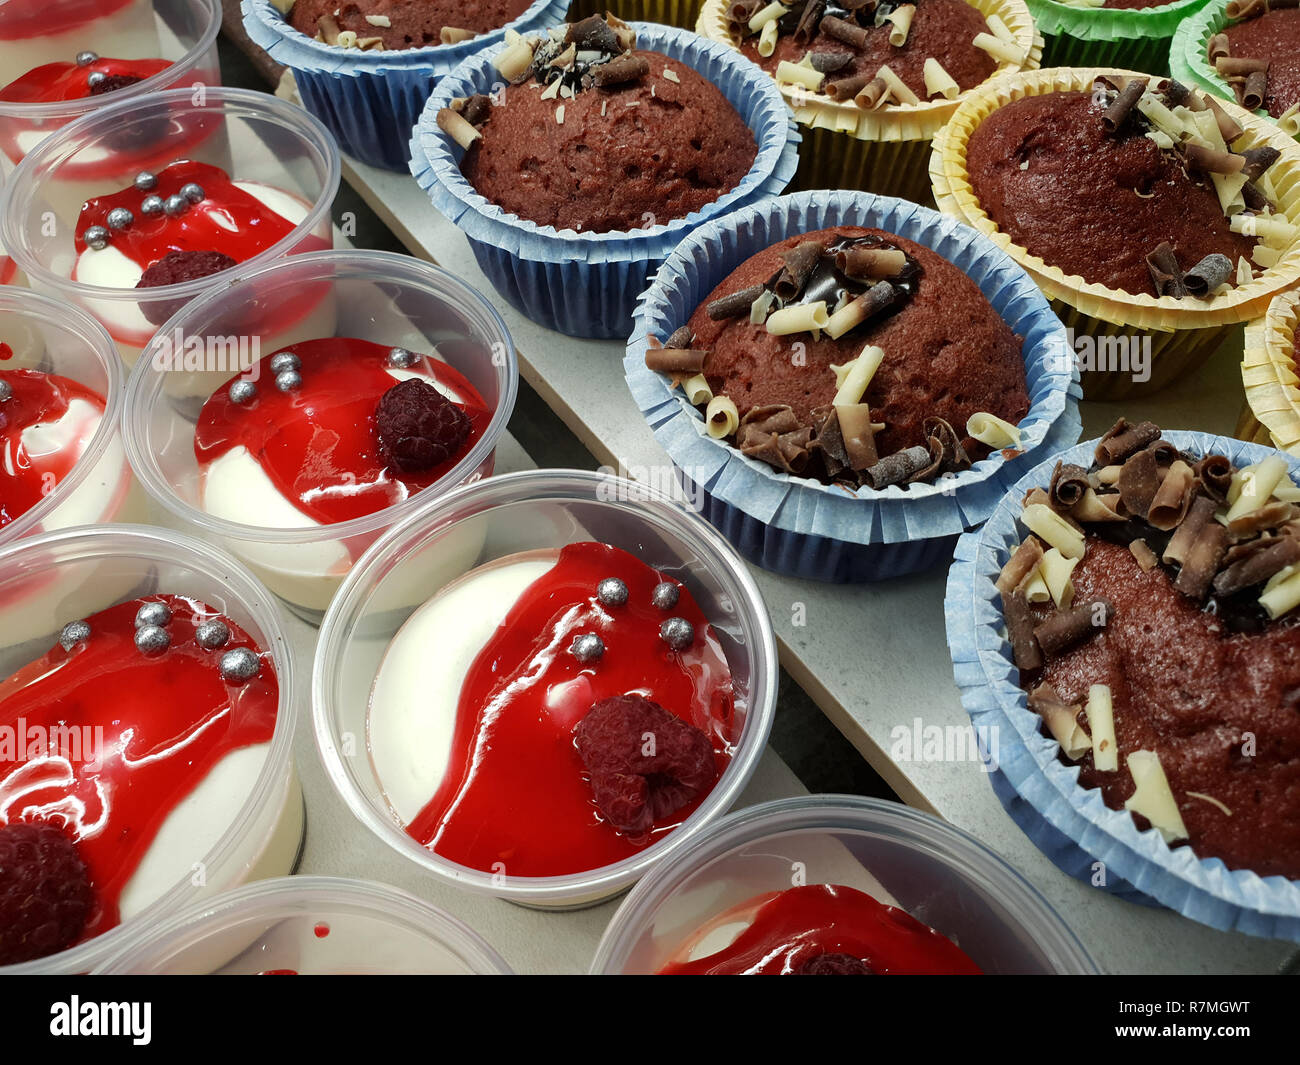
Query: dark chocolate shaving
[
  {"x": 1067, "y": 628},
  {"x": 620, "y": 71},
  {"x": 1211, "y": 161},
  {"x": 1175, "y": 92},
  {"x": 1025, "y": 650},
  {"x": 848, "y": 32},
  {"x": 1215, "y": 474},
  {"x": 830, "y": 62},
  {"x": 859, "y": 436},
  {"x": 743, "y": 10},
  {"x": 1166, "y": 274},
  {"x": 1202, "y": 562},
  {"x": 1122, "y": 440},
  {"x": 806, "y": 29},
  {"x": 675, "y": 360},
  {"x": 1258, "y": 160},
  {"x": 1255, "y": 199},
  {"x": 1207, "y": 275},
  {"x": 1259, "y": 565},
  {"x": 477, "y": 109},
  {"x": 939, "y": 433},
  {"x": 681, "y": 337},
  {"x": 1198, "y": 515},
  {"x": 735, "y": 304},
  {"x": 800, "y": 261},
  {"x": 1138, "y": 481},
  {"x": 593, "y": 34},
  {"x": 1118, "y": 112},
  {"x": 846, "y": 88},
  {"x": 896, "y": 468},
  {"x": 1069, "y": 485}
]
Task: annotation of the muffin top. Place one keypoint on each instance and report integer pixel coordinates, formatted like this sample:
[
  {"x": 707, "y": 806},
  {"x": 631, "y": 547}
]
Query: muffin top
[
  {"x": 1097, "y": 201},
  {"x": 1272, "y": 37},
  {"x": 595, "y": 135},
  {"x": 398, "y": 24}
]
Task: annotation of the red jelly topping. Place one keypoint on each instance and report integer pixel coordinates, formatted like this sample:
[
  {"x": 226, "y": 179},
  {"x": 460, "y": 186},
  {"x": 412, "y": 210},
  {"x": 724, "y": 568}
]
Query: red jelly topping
[
  {"x": 227, "y": 219},
  {"x": 66, "y": 81},
  {"x": 167, "y": 719},
  {"x": 790, "y": 929},
  {"x": 318, "y": 443},
  {"x": 321, "y": 930},
  {"x": 33, "y": 18},
  {"x": 38, "y": 398},
  {"x": 516, "y": 798}
]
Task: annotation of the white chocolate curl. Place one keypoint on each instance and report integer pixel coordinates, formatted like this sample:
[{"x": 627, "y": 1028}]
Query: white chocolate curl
[
  {"x": 852, "y": 378},
  {"x": 512, "y": 62},
  {"x": 767, "y": 39},
  {"x": 1050, "y": 527},
  {"x": 991, "y": 430},
  {"x": 938, "y": 82},
  {"x": 1056, "y": 570},
  {"x": 1101, "y": 723},
  {"x": 1257, "y": 484},
  {"x": 897, "y": 89},
  {"x": 697, "y": 390},
  {"x": 796, "y": 74},
  {"x": 721, "y": 417},
  {"x": 766, "y": 15},
  {"x": 457, "y": 128},
  {"x": 801, "y": 318},
  {"x": 901, "y": 20},
  {"x": 1002, "y": 51},
  {"x": 1153, "y": 798}
]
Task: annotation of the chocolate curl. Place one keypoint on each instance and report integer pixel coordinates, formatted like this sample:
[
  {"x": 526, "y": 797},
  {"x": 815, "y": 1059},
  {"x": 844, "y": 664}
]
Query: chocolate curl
[
  {"x": 1219, "y": 47},
  {"x": 1242, "y": 9},
  {"x": 1215, "y": 474},
  {"x": 1207, "y": 275},
  {"x": 1199, "y": 514},
  {"x": 1036, "y": 495},
  {"x": 675, "y": 360},
  {"x": 620, "y": 71},
  {"x": 769, "y": 418},
  {"x": 871, "y": 95},
  {"x": 1232, "y": 67},
  {"x": 1025, "y": 651},
  {"x": 1269, "y": 516},
  {"x": 1138, "y": 481},
  {"x": 1259, "y": 566},
  {"x": 1122, "y": 440},
  {"x": 773, "y": 434},
  {"x": 1259, "y": 160},
  {"x": 743, "y": 10},
  {"x": 1173, "y": 497},
  {"x": 1118, "y": 112},
  {"x": 593, "y": 34},
  {"x": 1069, "y": 485},
  {"x": 1146, "y": 558},
  {"x": 870, "y": 262},
  {"x": 806, "y": 29},
  {"x": 1210, "y": 161},
  {"x": 1067, "y": 628},
  {"x": 829, "y": 62},
  {"x": 1061, "y": 719},
  {"x": 681, "y": 337},
  {"x": 828, "y": 441},
  {"x": 476, "y": 109},
  {"x": 1202, "y": 560},
  {"x": 858, "y": 432},
  {"x": 1175, "y": 92},
  {"x": 852, "y": 35},
  {"x": 1229, "y": 128},
  {"x": 930, "y": 470},
  {"x": 940, "y": 433},
  {"x": 847, "y": 88},
  {"x": 896, "y": 468},
  {"x": 1254, "y": 197},
  {"x": 734, "y": 305},
  {"x": 1166, "y": 274},
  {"x": 1252, "y": 96},
  {"x": 1164, "y": 452},
  {"x": 1023, "y": 561},
  {"x": 800, "y": 261}
]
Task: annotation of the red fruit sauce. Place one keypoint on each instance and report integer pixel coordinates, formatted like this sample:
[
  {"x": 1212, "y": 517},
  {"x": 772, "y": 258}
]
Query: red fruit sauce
[
  {"x": 33, "y": 18},
  {"x": 792, "y": 927},
  {"x": 66, "y": 81},
  {"x": 37, "y": 398},
  {"x": 167, "y": 720},
  {"x": 228, "y": 219},
  {"x": 515, "y": 798},
  {"x": 318, "y": 444}
]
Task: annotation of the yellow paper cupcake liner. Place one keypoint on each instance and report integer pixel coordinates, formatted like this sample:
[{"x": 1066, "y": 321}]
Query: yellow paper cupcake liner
[
  {"x": 680, "y": 13},
  {"x": 845, "y": 146},
  {"x": 1268, "y": 373}
]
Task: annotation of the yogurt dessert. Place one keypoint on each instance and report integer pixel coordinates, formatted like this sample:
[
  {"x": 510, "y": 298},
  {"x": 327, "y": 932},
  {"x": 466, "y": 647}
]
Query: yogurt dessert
[
  {"x": 551, "y": 712},
  {"x": 138, "y": 737}
]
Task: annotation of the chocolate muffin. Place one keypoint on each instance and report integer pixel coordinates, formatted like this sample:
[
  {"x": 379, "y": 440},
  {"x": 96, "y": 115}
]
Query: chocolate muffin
[
  {"x": 1272, "y": 37},
  {"x": 399, "y": 24},
  {"x": 1091, "y": 201},
  {"x": 947, "y": 356},
  {"x": 1200, "y": 666},
  {"x": 605, "y": 137}
]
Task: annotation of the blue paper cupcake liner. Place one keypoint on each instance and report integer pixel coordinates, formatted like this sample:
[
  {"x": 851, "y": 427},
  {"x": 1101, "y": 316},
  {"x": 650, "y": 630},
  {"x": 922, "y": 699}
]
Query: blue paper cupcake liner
[
  {"x": 587, "y": 284},
  {"x": 371, "y": 101},
  {"x": 1071, "y": 824},
  {"x": 798, "y": 526}
]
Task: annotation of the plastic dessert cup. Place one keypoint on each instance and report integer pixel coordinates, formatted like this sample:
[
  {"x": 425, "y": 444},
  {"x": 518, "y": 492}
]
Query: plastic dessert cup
[
  {"x": 253, "y": 136},
  {"x": 181, "y": 31},
  {"x": 47, "y": 581},
  {"x": 1189, "y": 58},
  {"x": 502, "y": 516},
  {"x": 370, "y": 100},
  {"x": 45, "y": 335},
  {"x": 1070, "y": 824},
  {"x": 884, "y": 151},
  {"x": 9, "y": 272},
  {"x": 1079, "y": 35},
  {"x": 798, "y": 526},
  {"x": 587, "y": 284},
  {"x": 309, "y": 925},
  {"x": 942, "y": 876},
  {"x": 388, "y": 299},
  {"x": 1268, "y": 373},
  {"x": 1181, "y": 334}
]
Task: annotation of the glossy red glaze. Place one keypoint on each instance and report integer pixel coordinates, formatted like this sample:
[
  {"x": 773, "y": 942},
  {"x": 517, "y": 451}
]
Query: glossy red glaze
[
  {"x": 66, "y": 81},
  {"x": 36, "y": 18}
]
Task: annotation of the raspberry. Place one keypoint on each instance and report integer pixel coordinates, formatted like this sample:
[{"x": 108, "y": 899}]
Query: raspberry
[
  {"x": 172, "y": 269},
  {"x": 835, "y": 965},
  {"x": 113, "y": 82},
  {"x": 45, "y": 894},
  {"x": 418, "y": 427},
  {"x": 634, "y": 789}
]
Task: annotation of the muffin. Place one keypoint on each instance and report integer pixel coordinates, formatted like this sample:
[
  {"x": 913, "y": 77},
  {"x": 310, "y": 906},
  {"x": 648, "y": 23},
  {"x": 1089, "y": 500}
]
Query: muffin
[
  {"x": 873, "y": 84},
  {"x": 1155, "y": 218}
]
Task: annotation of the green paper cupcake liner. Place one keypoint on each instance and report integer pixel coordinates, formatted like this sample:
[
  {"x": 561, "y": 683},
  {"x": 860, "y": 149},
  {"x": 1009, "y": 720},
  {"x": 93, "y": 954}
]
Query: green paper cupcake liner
[{"x": 1079, "y": 36}]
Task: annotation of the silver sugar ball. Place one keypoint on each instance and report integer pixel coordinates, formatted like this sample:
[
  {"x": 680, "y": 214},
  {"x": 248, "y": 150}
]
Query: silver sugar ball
[
  {"x": 96, "y": 238},
  {"x": 212, "y": 634},
  {"x": 400, "y": 358},
  {"x": 119, "y": 218},
  {"x": 239, "y": 665},
  {"x": 152, "y": 614},
  {"x": 152, "y": 206},
  {"x": 96, "y": 77},
  {"x": 677, "y": 633},
  {"x": 286, "y": 360},
  {"x": 84, "y": 59},
  {"x": 664, "y": 597},
  {"x": 588, "y": 647},
  {"x": 146, "y": 181},
  {"x": 73, "y": 633},
  {"x": 6, "y": 391},
  {"x": 242, "y": 392},
  {"x": 175, "y": 206},
  {"x": 151, "y": 639},
  {"x": 611, "y": 592},
  {"x": 193, "y": 192},
  {"x": 288, "y": 381}
]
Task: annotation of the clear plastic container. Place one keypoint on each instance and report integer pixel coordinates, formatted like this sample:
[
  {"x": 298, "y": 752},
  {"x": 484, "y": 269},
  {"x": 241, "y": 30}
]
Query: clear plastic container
[
  {"x": 375, "y": 296},
  {"x": 939, "y": 874},
  {"x": 48, "y": 581},
  {"x": 9, "y": 272},
  {"x": 262, "y": 142},
  {"x": 541, "y": 509},
  {"x": 181, "y": 31},
  {"x": 45, "y": 335},
  {"x": 309, "y": 926}
]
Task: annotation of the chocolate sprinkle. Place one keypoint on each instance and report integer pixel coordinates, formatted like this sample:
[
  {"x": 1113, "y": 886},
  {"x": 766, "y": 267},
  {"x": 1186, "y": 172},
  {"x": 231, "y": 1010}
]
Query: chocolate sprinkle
[
  {"x": 734, "y": 304},
  {"x": 1063, "y": 630}
]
